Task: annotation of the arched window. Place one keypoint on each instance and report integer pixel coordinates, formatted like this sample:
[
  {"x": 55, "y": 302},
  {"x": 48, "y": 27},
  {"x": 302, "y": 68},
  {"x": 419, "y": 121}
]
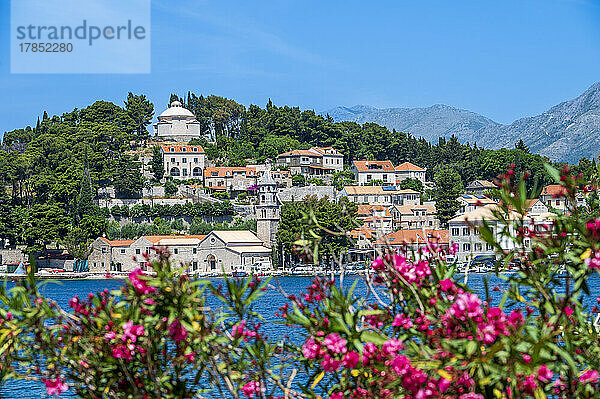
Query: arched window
[
  {"x": 197, "y": 171},
  {"x": 212, "y": 262},
  {"x": 175, "y": 172}
]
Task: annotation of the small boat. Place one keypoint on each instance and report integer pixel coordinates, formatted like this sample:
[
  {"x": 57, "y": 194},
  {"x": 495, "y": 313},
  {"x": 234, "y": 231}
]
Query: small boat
[{"x": 239, "y": 273}]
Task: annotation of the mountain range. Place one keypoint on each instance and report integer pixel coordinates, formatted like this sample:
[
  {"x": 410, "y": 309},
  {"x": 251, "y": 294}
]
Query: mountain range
[{"x": 567, "y": 132}]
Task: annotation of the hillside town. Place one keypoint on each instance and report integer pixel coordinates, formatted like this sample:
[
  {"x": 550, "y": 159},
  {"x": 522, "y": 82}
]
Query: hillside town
[{"x": 393, "y": 208}]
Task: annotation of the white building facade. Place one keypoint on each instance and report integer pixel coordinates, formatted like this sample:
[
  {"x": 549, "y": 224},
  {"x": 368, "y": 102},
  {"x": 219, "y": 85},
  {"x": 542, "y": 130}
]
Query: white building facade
[
  {"x": 177, "y": 123},
  {"x": 183, "y": 162}
]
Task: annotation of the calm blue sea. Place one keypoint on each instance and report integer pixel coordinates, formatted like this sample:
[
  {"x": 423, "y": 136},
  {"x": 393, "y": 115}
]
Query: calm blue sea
[{"x": 62, "y": 291}]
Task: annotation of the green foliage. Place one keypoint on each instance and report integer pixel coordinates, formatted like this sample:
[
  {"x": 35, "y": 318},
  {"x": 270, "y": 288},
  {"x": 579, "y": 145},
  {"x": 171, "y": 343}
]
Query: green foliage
[
  {"x": 157, "y": 164},
  {"x": 449, "y": 187},
  {"x": 298, "y": 180},
  {"x": 412, "y": 184},
  {"x": 343, "y": 178},
  {"x": 224, "y": 195},
  {"x": 127, "y": 179},
  {"x": 141, "y": 111},
  {"x": 170, "y": 188},
  {"x": 303, "y": 224}
]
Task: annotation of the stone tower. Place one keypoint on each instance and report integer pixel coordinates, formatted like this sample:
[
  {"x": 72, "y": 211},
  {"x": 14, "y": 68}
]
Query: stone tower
[{"x": 267, "y": 210}]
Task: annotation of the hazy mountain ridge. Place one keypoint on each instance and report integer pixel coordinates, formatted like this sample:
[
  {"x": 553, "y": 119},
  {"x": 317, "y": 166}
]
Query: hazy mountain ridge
[{"x": 565, "y": 132}]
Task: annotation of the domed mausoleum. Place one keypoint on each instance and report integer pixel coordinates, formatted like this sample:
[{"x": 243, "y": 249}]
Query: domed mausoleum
[{"x": 177, "y": 123}]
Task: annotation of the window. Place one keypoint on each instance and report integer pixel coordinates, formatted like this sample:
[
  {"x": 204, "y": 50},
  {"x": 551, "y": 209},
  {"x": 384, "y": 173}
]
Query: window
[
  {"x": 478, "y": 246},
  {"x": 196, "y": 160},
  {"x": 103, "y": 250},
  {"x": 183, "y": 149},
  {"x": 488, "y": 247},
  {"x": 172, "y": 149},
  {"x": 466, "y": 231},
  {"x": 172, "y": 160},
  {"x": 184, "y": 160},
  {"x": 175, "y": 251},
  {"x": 455, "y": 231},
  {"x": 369, "y": 177},
  {"x": 194, "y": 251},
  {"x": 122, "y": 251},
  {"x": 557, "y": 202},
  {"x": 466, "y": 247},
  {"x": 195, "y": 149},
  {"x": 385, "y": 178},
  {"x": 195, "y": 266},
  {"x": 137, "y": 251}
]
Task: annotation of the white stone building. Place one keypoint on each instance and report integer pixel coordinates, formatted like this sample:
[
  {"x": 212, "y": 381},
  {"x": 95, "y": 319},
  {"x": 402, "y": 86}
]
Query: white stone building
[
  {"x": 314, "y": 162},
  {"x": 382, "y": 195},
  {"x": 183, "y": 162},
  {"x": 177, "y": 123},
  {"x": 212, "y": 253},
  {"x": 414, "y": 216},
  {"x": 469, "y": 203},
  {"x": 234, "y": 180},
  {"x": 267, "y": 210},
  {"x": 408, "y": 170},
  {"x": 368, "y": 171}
]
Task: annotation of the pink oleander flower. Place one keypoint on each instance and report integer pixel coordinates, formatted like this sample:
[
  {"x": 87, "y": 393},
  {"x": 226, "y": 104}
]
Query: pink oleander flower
[
  {"x": 568, "y": 311},
  {"x": 238, "y": 329},
  {"x": 55, "y": 387},
  {"x": 446, "y": 285},
  {"x": 177, "y": 331},
  {"x": 400, "y": 364},
  {"x": 590, "y": 376},
  {"x": 526, "y": 358},
  {"x": 337, "y": 395},
  {"x": 529, "y": 384},
  {"x": 392, "y": 346},
  {"x": 402, "y": 321},
  {"x": 467, "y": 305},
  {"x": 140, "y": 285},
  {"x": 471, "y": 395},
  {"x": 189, "y": 357},
  {"x": 123, "y": 352},
  {"x": 252, "y": 388},
  {"x": 335, "y": 343},
  {"x": 330, "y": 364},
  {"x": 310, "y": 349},
  {"x": 545, "y": 374},
  {"x": 110, "y": 335},
  {"x": 131, "y": 331},
  {"x": 377, "y": 263},
  {"x": 350, "y": 360},
  {"x": 443, "y": 384},
  {"x": 593, "y": 261}
]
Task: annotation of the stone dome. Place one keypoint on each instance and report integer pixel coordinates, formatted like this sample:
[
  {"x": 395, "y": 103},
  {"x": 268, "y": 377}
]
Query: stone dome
[{"x": 176, "y": 110}]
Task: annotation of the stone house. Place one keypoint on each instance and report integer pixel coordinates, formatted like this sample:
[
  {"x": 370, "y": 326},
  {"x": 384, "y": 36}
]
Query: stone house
[
  {"x": 234, "y": 180},
  {"x": 408, "y": 170},
  {"x": 414, "y": 216},
  {"x": 380, "y": 195},
  {"x": 183, "y": 162},
  {"x": 368, "y": 171}
]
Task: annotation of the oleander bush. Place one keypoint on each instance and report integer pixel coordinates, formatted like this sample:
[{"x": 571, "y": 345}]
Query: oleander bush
[{"x": 417, "y": 332}]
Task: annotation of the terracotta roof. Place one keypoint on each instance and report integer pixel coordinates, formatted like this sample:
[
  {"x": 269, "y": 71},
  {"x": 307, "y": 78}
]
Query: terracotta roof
[
  {"x": 380, "y": 166},
  {"x": 553, "y": 189},
  {"x": 408, "y": 209},
  {"x": 406, "y": 166},
  {"x": 362, "y": 231},
  {"x": 299, "y": 153},
  {"x": 376, "y": 218},
  {"x": 367, "y": 210},
  {"x": 179, "y": 148},
  {"x": 223, "y": 171},
  {"x": 411, "y": 236},
  {"x": 117, "y": 243},
  {"x": 155, "y": 239}
]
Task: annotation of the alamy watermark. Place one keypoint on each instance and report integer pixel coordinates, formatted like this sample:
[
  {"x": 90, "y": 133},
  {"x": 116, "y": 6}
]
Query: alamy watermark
[{"x": 74, "y": 36}]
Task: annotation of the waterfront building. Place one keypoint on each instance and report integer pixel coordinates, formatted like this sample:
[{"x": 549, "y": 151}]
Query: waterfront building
[
  {"x": 212, "y": 253},
  {"x": 412, "y": 240},
  {"x": 554, "y": 196},
  {"x": 177, "y": 124},
  {"x": 182, "y": 161}
]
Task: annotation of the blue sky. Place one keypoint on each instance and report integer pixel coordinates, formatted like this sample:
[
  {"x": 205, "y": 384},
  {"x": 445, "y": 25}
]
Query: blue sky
[{"x": 505, "y": 59}]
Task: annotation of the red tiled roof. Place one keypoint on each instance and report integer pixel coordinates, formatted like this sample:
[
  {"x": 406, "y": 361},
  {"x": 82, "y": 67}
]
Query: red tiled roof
[
  {"x": 299, "y": 152},
  {"x": 411, "y": 236},
  {"x": 406, "y": 166},
  {"x": 554, "y": 189},
  {"x": 155, "y": 239},
  {"x": 224, "y": 170},
  {"x": 117, "y": 243},
  {"x": 382, "y": 166},
  {"x": 364, "y": 231},
  {"x": 178, "y": 148}
]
